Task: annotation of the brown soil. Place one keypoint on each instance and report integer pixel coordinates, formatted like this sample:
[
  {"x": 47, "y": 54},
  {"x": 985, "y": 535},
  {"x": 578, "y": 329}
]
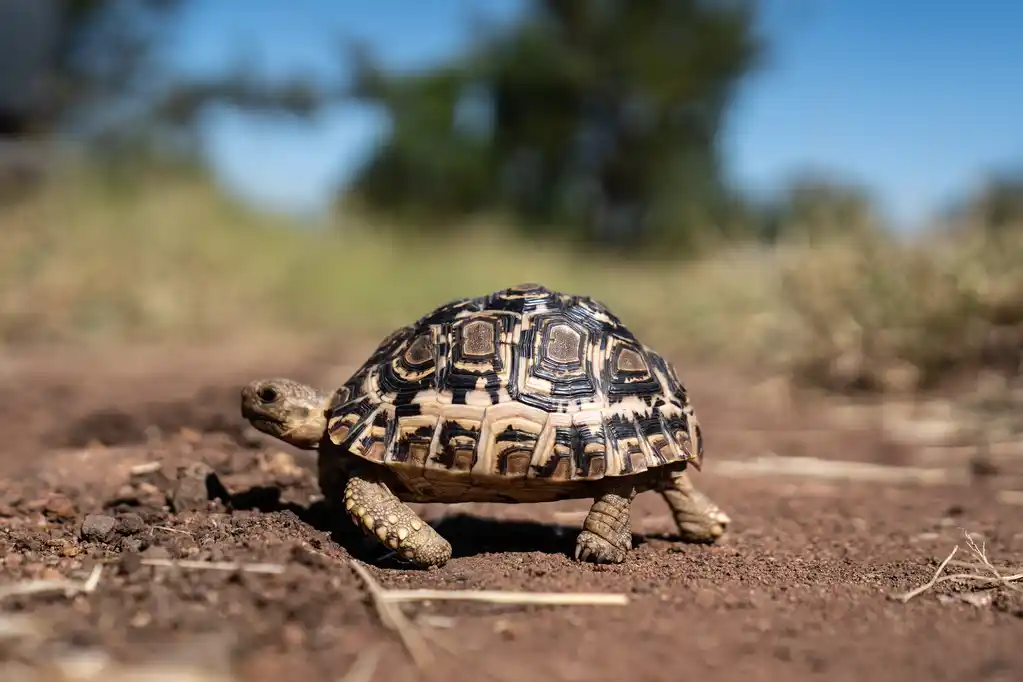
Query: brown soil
[{"x": 797, "y": 591}]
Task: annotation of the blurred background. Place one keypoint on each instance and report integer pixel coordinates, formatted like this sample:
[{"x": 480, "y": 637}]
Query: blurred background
[{"x": 827, "y": 190}]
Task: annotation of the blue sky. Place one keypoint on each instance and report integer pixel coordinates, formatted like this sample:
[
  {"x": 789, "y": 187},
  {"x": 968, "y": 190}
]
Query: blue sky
[{"x": 915, "y": 99}]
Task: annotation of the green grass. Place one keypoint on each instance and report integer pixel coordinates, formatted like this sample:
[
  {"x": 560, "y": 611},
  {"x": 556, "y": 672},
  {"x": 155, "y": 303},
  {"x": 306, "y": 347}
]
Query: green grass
[{"x": 177, "y": 260}]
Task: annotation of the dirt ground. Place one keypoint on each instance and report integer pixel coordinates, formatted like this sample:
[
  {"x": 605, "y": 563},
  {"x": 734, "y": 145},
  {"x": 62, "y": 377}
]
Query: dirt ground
[{"x": 122, "y": 462}]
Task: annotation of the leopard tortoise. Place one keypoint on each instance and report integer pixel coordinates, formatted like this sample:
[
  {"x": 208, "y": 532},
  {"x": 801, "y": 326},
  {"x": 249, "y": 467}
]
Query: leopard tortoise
[{"x": 522, "y": 395}]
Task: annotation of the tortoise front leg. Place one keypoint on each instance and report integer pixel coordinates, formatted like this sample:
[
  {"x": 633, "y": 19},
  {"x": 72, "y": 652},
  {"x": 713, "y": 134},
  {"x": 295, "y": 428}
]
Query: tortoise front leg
[
  {"x": 606, "y": 537},
  {"x": 375, "y": 509},
  {"x": 699, "y": 520}
]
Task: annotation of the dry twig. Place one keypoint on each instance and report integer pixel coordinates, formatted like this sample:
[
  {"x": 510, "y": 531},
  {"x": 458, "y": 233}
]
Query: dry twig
[
  {"x": 930, "y": 583},
  {"x": 490, "y": 671},
  {"x": 215, "y": 565},
  {"x": 392, "y": 617},
  {"x": 68, "y": 587},
  {"x": 995, "y": 578},
  {"x": 979, "y": 566},
  {"x": 387, "y": 603},
  {"x": 145, "y": 468},
  {"x": 981, "y": 554},
  {"x": 501, "y": 597},
  {"x": 825, "y": 469},
  {"x": 364, "y": 666}
]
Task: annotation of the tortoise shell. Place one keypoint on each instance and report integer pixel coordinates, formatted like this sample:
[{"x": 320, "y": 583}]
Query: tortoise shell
[{"x": 523, "y": 387}]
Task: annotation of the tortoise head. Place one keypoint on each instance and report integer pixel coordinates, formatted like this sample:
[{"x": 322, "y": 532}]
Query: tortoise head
[{"x": 286, "y": 409}]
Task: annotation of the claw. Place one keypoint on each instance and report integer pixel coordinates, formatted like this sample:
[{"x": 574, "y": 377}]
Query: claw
[{"x": 597, "y": 550}]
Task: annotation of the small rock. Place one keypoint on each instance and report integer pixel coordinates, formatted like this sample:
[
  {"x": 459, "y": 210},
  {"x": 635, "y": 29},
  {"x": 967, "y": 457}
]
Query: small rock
[
  {"x": 147, "y": 488},
  {"x": 98, "y": 527},
  {"x": 190, "y": 490},
  {"x": 130, "y": 562},
  {"x": 126, "y": 493},
  {"x": 130, "y": 524},
  {"x": 705, "y": 598},
  {"x": 1010, "y": 602},
  {"x": 156, "y": 552},
  {"x": 60, "y": 506},
  {"x": 130, "y": 545},
  {"x": 190, "y": 435},
  {"x": 977, "y": 598},
  {"x": 140, "y": 619},
  {"x": 50, "y": 573}
]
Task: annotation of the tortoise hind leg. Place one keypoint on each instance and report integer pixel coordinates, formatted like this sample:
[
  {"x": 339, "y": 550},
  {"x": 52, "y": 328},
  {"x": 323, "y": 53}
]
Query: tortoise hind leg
[
  {"x": 606, "y": 537},
  {"x": 378, "y": 511},
  {"x": 698, "y": 518}
]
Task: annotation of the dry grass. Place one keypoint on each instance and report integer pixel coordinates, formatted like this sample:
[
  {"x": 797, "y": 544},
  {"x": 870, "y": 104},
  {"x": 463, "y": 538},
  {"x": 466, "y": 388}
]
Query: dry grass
[
  {"x": 388, "y": 606},
  {"x": 180, "y": 261},
  {"x": 987, "y": 573},
  {"x": 882, "y": 314}
]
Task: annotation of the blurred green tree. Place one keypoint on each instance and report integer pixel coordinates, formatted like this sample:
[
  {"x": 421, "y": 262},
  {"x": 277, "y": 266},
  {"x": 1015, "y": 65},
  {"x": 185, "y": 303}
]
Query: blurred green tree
[
  {"x": 601, "y": 117},
  {"x": 95, "y": 70}
]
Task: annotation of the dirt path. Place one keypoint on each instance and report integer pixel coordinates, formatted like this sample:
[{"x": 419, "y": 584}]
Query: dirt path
[{"x": 796, "y": 592}]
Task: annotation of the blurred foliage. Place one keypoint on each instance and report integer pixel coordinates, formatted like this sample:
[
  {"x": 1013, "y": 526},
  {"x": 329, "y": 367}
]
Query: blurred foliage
[
  {"x": 997, "y": 204},
  {"x": 173, "y": 259},
  {"x": 814, "y": 208},
  {"x": 600, "y": 118},
  {"x": 105, "y": 80}
]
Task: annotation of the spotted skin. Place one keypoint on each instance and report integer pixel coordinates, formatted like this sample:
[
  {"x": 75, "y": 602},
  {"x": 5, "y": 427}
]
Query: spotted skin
[
  {"x": 523, "y": 395},
  {"x": 376, "y": 510},
  {"x": 698, "y": 518},
  {"x": 606, "y": 537}
]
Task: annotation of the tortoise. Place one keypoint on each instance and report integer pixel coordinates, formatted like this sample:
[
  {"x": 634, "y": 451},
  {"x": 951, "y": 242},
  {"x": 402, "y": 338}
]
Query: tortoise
[{"x": 522, "y": 395}]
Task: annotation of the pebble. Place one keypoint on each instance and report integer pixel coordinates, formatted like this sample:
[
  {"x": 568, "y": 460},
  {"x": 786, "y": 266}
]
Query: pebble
[
  {"x": 190, "y": 492},
  {"x": 130, "y": 524},
  {"x": 130, "y": 545},
  {"x": 130, "y": 561},
  {"x": 98, "y": 527},
  {"x": 156, "y": 552},
  {"x": 60, "y": 506}
]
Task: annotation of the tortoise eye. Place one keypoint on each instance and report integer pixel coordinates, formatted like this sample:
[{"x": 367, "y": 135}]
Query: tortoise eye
[{"x": 267, "y": 394}]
